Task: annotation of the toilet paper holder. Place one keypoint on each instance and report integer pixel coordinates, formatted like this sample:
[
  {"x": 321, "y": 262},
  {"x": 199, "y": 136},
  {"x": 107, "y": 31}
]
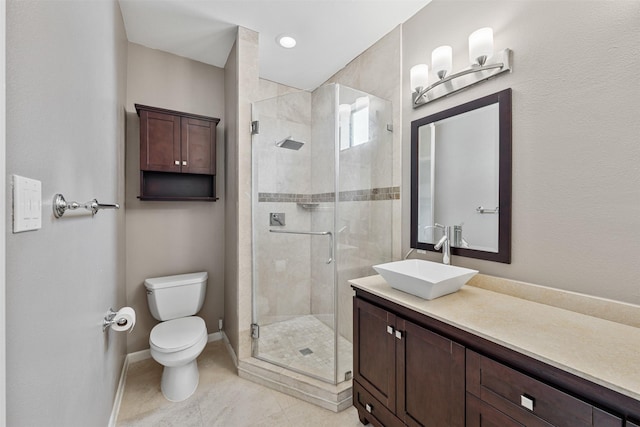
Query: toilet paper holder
[{"x": 110, "y": 319}]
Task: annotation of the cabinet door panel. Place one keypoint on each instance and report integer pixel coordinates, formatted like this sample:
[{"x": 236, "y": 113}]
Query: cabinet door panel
[
  {"x": 431, "y": 378},
  {"x": 374, "y": 352},
  {"x": 160, "y": 142},
  {"x": 198, "y": 146}
]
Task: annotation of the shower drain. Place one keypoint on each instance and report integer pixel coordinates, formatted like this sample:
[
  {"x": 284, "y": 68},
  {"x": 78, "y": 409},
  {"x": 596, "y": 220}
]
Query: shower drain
[{"x": 306, "y": 351}]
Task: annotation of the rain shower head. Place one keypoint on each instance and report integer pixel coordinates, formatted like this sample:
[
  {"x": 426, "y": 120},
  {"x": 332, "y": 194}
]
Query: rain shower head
[{"x": 289, "y": 143}]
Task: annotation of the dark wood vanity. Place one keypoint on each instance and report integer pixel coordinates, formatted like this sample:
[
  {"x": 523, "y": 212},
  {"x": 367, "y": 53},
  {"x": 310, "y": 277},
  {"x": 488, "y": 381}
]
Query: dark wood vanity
[
  {"x": 412, "y": 369},
  {"x": 177, "y": 155}
]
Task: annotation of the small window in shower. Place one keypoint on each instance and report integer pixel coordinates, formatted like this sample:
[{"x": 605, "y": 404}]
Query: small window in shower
[{"x": 354, "y": 123}]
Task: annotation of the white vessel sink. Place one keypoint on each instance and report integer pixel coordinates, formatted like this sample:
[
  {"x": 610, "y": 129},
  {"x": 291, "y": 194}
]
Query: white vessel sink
[{"x": 424, "y": 279}]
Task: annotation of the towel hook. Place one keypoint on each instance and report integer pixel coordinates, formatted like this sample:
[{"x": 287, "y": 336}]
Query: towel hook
[{"x": 60, "y": 206}]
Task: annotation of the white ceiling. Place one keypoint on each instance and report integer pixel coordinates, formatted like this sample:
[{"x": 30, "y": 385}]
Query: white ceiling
[{"x": 330, "y": 33}]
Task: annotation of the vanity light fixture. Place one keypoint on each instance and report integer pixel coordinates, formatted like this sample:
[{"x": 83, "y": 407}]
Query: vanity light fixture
[
  {"x": 484, "y": 65},
  {"x": 286, "y": 42}
]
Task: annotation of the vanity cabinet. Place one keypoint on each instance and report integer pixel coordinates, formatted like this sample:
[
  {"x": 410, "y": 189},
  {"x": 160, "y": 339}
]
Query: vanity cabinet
[
  {"x": 412, "y": 369},
  {"x": 405, "y": 374},
  {"x": 177, "y": 155}
]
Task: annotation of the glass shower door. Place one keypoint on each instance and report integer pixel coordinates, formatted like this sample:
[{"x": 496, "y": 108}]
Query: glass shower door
[
  {"x": 293, "y": 237},
  {"x": 323, "y": 199}
]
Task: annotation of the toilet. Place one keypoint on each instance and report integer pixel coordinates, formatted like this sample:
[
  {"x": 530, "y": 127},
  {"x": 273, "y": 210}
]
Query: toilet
[{"x": 180, "y": 336}]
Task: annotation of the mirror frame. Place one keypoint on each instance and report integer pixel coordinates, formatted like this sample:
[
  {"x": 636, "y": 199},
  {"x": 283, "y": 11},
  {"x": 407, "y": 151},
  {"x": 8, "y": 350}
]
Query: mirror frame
[{"x": 503, "y": 99}]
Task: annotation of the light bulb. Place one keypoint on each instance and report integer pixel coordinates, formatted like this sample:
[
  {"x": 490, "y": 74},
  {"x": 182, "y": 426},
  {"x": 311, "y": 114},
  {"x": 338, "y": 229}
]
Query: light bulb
[
  {"x": 480, "y": 45},
  {"x": 419, "y": 77},
  {"x": 441, "y": 60}
]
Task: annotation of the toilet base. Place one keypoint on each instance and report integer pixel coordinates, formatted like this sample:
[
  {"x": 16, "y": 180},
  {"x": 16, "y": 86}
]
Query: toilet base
[{"x": 179, "y": 382}]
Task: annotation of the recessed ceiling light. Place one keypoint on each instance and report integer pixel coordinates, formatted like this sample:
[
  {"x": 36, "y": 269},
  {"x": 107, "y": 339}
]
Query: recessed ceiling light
[{"x": 286, "y": 41}]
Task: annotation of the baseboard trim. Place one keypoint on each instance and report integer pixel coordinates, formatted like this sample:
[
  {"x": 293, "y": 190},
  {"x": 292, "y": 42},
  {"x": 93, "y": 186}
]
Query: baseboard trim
[
  {"x": 117, "y": 401},
  {"x": 232, "y": 353},
  {"x": 216, "y": 336},
  {"x": 139, "y": 356}
]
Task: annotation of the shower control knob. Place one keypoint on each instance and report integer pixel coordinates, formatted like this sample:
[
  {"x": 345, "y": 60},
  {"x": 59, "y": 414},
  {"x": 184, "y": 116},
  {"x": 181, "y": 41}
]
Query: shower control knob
[{"x": 276, "y": 219}]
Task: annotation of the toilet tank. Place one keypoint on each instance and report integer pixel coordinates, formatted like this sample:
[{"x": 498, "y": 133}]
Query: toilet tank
[{"x": 171, "y": 297}]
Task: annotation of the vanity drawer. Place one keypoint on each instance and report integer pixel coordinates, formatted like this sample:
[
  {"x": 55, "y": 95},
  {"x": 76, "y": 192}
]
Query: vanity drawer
[
  {"x": 481, "y": 414},
  {"x": 377, "y": 413},
  {"x": 528, "y": 400}
]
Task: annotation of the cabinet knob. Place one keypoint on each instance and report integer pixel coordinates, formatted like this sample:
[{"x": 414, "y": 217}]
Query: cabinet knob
[
  {"x": 368, "y": 407},
  {"x": 177, "y": 162},
  {"x": 527, "y": 402},
  {"x": 390, "y": 330},
  {"x": 399, "y": 335},
  {"x": 184, "y": 163}
]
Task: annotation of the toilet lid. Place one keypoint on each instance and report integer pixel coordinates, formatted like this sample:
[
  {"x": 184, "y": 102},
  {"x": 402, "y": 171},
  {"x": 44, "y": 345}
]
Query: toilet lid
[{"x": 177, "y": 334}]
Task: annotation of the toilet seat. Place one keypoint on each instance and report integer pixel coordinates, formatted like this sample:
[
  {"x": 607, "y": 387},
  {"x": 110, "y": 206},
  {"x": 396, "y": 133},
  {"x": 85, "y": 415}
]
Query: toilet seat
[{"x": 177, "y": 334}]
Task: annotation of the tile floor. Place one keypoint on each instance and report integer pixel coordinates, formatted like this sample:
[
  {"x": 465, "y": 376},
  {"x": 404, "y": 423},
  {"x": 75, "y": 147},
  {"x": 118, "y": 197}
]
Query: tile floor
[
  {"x": 287, "y": 343},
  {"x": 222, "y": 399}
]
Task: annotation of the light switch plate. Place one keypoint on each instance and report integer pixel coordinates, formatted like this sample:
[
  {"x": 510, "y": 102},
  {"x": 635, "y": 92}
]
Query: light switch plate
[{"x": 27, "y": 204}]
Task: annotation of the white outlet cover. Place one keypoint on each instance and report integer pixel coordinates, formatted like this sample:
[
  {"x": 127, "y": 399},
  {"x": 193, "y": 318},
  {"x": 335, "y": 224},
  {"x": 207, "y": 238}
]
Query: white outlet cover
[{"x": 27, "y": 204}]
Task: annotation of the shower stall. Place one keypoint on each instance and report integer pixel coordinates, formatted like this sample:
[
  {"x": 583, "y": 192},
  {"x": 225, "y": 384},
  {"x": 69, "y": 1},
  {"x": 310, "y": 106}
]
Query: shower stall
[{"x": 322, "y": 210}]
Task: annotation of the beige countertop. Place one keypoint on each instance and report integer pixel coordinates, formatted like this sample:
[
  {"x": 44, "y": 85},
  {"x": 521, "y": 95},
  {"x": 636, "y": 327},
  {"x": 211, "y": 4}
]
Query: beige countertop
[{"x": 602, "y": 351}]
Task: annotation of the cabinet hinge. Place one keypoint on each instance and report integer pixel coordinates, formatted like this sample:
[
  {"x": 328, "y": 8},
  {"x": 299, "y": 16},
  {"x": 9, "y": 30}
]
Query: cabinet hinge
[
  {"x": 255, "y": 331},
  {"x": 255, "y": 127}
]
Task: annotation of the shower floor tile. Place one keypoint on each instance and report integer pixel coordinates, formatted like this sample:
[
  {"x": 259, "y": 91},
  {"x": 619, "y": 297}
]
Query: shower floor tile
[{"x": 305, "y": 344}]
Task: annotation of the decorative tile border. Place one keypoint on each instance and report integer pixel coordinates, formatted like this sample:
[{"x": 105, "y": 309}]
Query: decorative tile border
[{"x": 385, "y": 193}]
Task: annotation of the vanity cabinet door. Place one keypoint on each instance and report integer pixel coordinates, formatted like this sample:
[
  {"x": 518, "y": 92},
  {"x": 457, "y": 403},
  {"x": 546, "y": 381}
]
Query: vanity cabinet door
[
  {"x": 431, "y": 378},
  {"x": 374, "y": 361},
  {"x": 417, "y": 375}
]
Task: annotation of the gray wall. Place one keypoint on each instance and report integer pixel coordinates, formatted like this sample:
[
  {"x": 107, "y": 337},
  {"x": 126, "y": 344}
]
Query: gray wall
[
  {"x": 66, "y": 65},
  {"x": 576, "y": 100},
  {"x": 166, "y": 238}
]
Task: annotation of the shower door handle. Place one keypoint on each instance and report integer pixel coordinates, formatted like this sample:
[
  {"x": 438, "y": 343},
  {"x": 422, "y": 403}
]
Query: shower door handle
[{"x": 312, "y": 233}]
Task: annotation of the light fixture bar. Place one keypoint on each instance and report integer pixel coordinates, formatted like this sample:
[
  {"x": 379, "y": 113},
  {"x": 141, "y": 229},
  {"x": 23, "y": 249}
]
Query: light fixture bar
[{"x": 498, "y": 64}]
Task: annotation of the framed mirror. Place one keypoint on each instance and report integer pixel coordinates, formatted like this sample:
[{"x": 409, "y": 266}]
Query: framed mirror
[{"x": 461, "y": 177}]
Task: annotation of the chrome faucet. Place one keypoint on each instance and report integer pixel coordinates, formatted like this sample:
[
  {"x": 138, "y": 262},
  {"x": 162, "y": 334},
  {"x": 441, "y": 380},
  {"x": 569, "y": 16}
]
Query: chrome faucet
[
  {"x": 445, "y": 244},
  {"x": 451, "y": 236}
]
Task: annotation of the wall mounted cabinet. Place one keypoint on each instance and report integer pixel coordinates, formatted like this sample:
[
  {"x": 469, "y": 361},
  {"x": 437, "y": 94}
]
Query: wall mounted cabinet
[
  {"x": 411, "y": 369},
  {"x": 177, "y": 155}
]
